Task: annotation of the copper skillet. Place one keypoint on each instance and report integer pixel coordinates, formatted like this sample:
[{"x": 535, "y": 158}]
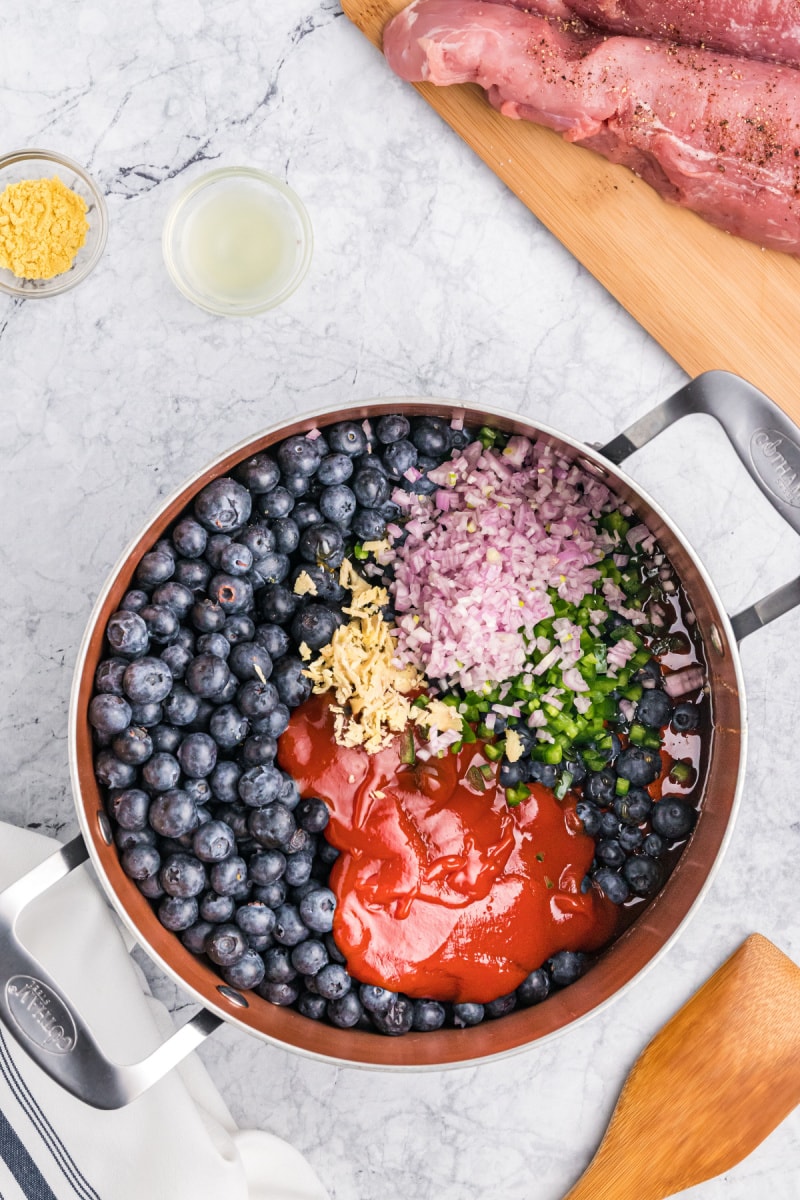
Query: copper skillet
[{"x": 45, "y": 1022}]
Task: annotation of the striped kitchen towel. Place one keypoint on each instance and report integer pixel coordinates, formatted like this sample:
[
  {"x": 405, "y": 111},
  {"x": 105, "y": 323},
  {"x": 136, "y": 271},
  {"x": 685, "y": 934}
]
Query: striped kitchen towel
[{"x": 176, "y": 1142}]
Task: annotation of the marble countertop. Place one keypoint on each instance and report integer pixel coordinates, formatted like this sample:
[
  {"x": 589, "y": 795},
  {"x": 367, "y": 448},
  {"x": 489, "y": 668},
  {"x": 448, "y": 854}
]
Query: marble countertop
[{"x": 428, "y": 278}]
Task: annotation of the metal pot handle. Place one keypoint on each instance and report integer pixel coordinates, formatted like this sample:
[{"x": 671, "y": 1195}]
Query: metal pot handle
[
  {"x": 768, "y": 444},
  {"x": 47, "y": 1026}
]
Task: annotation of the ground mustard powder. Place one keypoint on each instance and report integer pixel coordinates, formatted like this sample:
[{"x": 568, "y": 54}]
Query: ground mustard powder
[{"x": 42, "y": 227}]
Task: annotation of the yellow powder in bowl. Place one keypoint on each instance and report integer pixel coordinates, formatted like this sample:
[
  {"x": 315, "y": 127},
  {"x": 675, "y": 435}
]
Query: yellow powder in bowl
[{"x": 42, "y": 227}]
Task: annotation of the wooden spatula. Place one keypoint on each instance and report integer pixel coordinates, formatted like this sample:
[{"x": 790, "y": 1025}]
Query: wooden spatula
[{"x": 712, "y": 1084}]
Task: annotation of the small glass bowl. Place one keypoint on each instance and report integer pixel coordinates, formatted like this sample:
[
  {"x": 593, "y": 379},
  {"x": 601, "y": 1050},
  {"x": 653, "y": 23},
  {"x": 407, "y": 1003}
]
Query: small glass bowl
[
  {"x": 43, "y": 164},
  {"x": 206, "y": 248}
]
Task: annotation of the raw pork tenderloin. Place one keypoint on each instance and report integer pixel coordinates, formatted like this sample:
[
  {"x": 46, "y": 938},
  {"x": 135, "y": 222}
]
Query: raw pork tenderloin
[{"x": 715, "y": 133}]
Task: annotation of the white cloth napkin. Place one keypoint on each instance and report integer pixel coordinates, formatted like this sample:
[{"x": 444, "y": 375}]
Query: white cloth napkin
[{"x": 176, "y": 1142}]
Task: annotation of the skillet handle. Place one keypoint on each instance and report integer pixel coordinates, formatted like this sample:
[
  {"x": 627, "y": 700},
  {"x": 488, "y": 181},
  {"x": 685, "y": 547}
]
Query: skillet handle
[
  {"x": 767, "y": 443},
  {"x": 45, "y": 1023}
]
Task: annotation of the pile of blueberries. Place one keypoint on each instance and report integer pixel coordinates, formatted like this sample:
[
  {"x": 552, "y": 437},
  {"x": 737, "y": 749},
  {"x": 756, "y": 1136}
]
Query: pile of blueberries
[{"x": 201, "y": 675}]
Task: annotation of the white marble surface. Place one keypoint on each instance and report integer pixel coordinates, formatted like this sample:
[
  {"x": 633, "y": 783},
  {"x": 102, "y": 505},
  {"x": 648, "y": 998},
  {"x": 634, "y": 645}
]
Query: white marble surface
[{"x": 428, "y": 277}]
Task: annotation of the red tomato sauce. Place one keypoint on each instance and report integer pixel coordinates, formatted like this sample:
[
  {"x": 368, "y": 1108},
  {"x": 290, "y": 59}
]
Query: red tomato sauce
[{"x": 443, "y": 891}]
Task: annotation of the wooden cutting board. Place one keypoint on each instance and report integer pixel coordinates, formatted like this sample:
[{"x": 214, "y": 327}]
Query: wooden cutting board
[{"x": 711, "y": 300}]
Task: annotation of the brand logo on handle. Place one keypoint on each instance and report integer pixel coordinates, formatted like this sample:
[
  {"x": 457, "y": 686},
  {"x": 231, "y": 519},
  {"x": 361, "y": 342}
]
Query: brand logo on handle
[
  {"x": 777, "y": 460},
  {"x": 41, "y": 1014}
]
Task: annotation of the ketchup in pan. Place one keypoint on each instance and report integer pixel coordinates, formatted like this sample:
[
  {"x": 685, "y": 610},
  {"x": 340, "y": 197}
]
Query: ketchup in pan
[{"x": 443, "y": 891}]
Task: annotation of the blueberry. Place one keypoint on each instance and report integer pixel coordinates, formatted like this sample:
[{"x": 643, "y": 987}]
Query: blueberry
[
  {"x": 259, "y": 473},
  {"x": 277, "y": 503},
  {"x": 228, "y": 727},
  {"x": 312, "y": 814},
  {"x": 147, "y": 681},
  {"x": 630, "y": 837},
  {"x": 326, "y": 584},
  {"x": 612, "y": 885},
  {"x": 335, "y": 468},
  {"x": 510, "y": 774},
  {"x": 207, "y": 675},
  {"x": 685, "y": 717},
  {"x": 277, "y": 604},
  {"x": 235, "y": 559},
  {"x": 648, "y": 675},
  {"x": 109, "y": 714},
  {"x": 371, "y": 487},
  {"x": 589, "y": 814},
  {"x": 566, "y": 966},
  {"x": 112, "y": 772},
  {"x": 654, "y": 708},
  {"x": 223, "y": 505},
  {"x": 189, "y": 538},
  {"x": 161, "y": 621},
  {"x": 274, "y": 723},
  {"x": 309, "y": 957},
  {"x": 298, "y": 867},
  {"x": 639, "y": 765},
  {"x": 259, "y": 786},
  {"x": 376, "y": 1000},
  {"x": 289, "y": 929},
  {"x": 296, "y": 485},
  {"x": 200, "y": 792},
  {"x": 673, "y": 818},
  {"x": 126, "y": 839},
  {"x": 643, "y": 874},
  {"x": 193, "y": 574},
  {"x": 178, "y": 912},
  {"x": 284, "y": 994},
  {"x": 224, "y": 780},
  {"x": 633, "y": 808},
  {"x": 129, "y": 808},
  {"x": 600, "y": 786},
  {"x": 337, "y": 503},
  {"x": 306, "y": 513},
  {"x": 161, "y": 771},
  {"x": 249, "y": 660},
  {"x": 322, "y": 544},
  {"x": 173, "y": 813},
  {"x": 147, "y": 715},
  {"x": 610, "y": 852},
  {"x": 108, "y": 676},
  {"x": 368, "y": 525},
  {"x": 157, "y": 566},
  {"x": 266, "y": 866},
  {"x": 609, "y": 824},
  {"x": 392, "y": 428},
  {"x": 247, "y": 973},
  {"x": 501, "y": 1007},
  {"x": 207, "y": 616},
  {"x": 271, "y": 826},
  {"x": 399, "y": 457},
  {"x": 287, "y": 535},
  {"x": 213, "y": 841},
  {"x": 346, "y": 1011},
  {"x": 229, "y": 876},
  {"x": 292, "y": 685},
  {"x": 544, "y": 773},
  {"x": 259, "y": 750},
  {"x": 134, "y": 600},
  {"x": 312, "y": 1006},
  {"x": 256, "y": 699},
  {"x": 315, "y": 625},
  {"x": 397, "y": 1019},
  {"x": 231, "y": 592},
  {"x": 216, "y": 908},
  {"x": 194, "y": 938},
  {"x": 127, "y": 634},
  {"x": 534, "y": 987},
  {"x": 214, "y": 643},
  {"x": 332, "y": 981},
  {"x": 238, "y": 628},
  {"x": 140, "y": 862},
  {"x": 346, "y": 438},
  {"x": 197, "y": 755},
  {"x": 255, "y": 918},
  {"x": 177, "y": 659},
  {"x": 273, "y": 894},
  {"x": 182, "y": 875},
  {"x": 226, "y": 945},
  {"x": 133, "y": 746},
  {"x": 298, "y": 455},
  {"x": 431, "y": 436},
  {"x": 181, "y": 706},
  {"x": 653, "y": 845}
]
